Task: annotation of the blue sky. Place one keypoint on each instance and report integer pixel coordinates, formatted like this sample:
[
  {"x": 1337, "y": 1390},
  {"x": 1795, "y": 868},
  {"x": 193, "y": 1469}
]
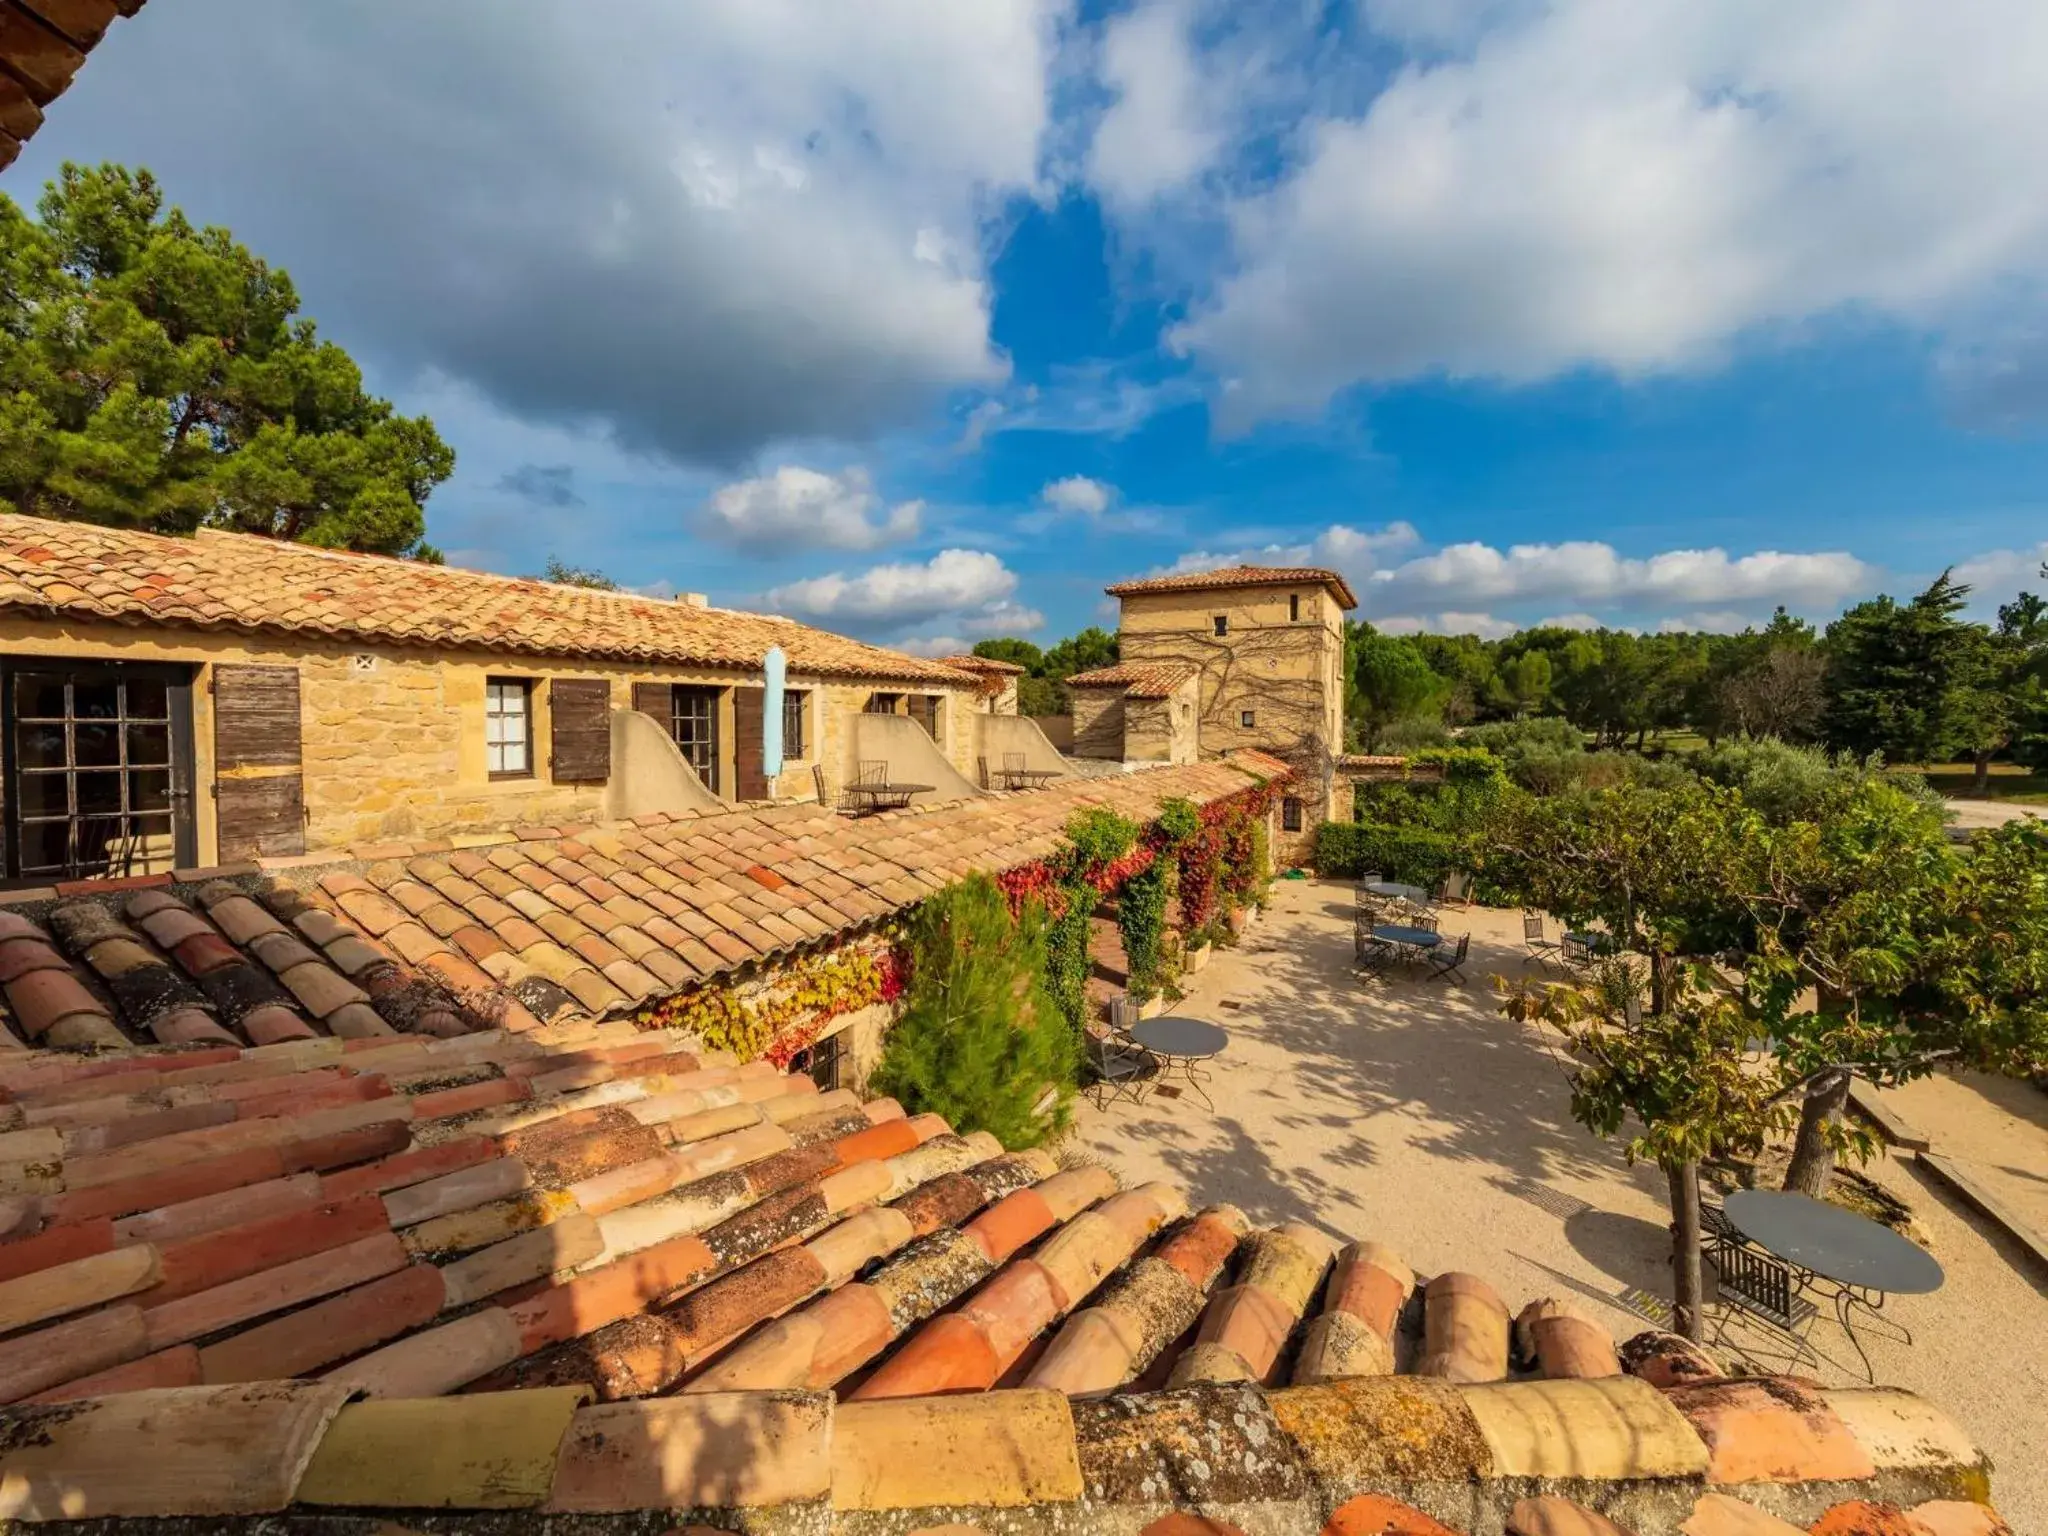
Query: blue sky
[{"x": 924, "y": 321}]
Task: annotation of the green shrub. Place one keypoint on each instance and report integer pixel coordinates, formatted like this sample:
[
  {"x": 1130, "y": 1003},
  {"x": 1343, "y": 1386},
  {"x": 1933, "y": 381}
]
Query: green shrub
[
  {"x": 1411, "y": 734},
  {"x": 1786, "y": 783},
  {"x": 1414, "y": 855},
  {"x": 980, "y": 1041},
  {"x": 1099, "y": 836},
  {"x": 1141, "y": 922}
]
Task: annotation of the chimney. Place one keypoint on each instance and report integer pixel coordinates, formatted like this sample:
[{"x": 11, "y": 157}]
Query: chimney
[{"x": 693, "y": 600}]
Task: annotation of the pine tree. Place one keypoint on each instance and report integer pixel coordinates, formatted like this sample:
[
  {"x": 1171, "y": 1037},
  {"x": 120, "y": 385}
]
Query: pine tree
[{"x": 980, "y": 1042}]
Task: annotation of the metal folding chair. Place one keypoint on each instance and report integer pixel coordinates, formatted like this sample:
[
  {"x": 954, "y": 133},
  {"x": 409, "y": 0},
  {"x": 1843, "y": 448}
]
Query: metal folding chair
[
  {"x": 1542, "y": 950},
  {"x": 1764, "y": 1288},
  {"x": 1014, "y": 769},
  {"x": 1117, "y": 1063},
  {"x": 1453, "y": 963},
  {"x": 1575, "y": 952}
]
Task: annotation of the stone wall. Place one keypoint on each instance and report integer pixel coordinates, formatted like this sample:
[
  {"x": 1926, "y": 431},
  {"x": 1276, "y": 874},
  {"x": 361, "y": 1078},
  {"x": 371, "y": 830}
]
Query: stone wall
[
  {"x": 1163, "y": 730},
  {"x": 393, "y": 739},
  {"x": 1099, "y": 723},
  {"x": 1280, "y": 662}
]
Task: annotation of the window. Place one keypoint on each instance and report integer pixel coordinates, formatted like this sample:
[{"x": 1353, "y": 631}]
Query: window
[
  {"x": 508, "y": 727},
  {"x": 1222, "y": 624},
  {"x": 792, "y": 727},
  {"x": 693, "y": 722},
  {"x": 1247, "y": 719},
  {"x": 1294, "y": 607},
  {"x": 884, "y": 704},
  {"x": 1290, "y": 814},
  {"x": 821, "y": 1061},
  {"x": 97, "y": 760},
  {"x": 924, "y": 709}
]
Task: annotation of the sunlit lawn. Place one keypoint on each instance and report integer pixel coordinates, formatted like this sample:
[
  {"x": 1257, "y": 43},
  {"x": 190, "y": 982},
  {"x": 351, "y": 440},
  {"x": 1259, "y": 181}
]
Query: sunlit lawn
[{"x": 2008, "y": 781}]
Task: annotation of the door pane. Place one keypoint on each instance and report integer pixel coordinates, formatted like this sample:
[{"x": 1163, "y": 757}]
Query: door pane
[
  {"x": 149, "y": 745},
  {"x": 45, "y": 847},
  {"x": 150, "y": 790},
  {"x": 40, "y": 746},
  {"x": 99, "y": 794},
  {"x": 95, "y": 700},
  {"x": 96, "y": 744},
  {"x": 149, "y": 698},
  {"x": 38, "y": 696},
  {"x": 44, "y": 794}
]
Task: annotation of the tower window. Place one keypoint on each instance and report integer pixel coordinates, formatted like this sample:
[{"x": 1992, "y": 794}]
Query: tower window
[
  {"x": 1247, "y": 718},
  {"x": 1222, "y": 624},
  {"x": 1294, "y": 607}
]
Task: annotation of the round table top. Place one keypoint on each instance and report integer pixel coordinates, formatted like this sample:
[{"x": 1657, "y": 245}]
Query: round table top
[
  {"x": 1170, "y": 1035},
  {"x": 1400, "y": 933},
  {"x": 1396, "y": 889},
  {"x": 1832, "y": 1242}
]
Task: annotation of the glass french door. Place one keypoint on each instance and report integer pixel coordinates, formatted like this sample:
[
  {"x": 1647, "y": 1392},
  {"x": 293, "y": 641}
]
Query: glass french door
[
  {"x": 98, "y": 765},
  {"x": 693, "y": 721}
]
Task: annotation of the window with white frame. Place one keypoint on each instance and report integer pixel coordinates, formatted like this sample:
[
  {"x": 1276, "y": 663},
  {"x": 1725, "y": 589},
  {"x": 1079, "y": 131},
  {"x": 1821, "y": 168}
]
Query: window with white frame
[{"x": 508, "y": 727}]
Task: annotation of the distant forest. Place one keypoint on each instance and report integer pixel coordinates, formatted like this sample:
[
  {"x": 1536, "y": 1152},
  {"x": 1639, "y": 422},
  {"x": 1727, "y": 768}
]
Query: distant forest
[{"x": 1911, "y": 681}]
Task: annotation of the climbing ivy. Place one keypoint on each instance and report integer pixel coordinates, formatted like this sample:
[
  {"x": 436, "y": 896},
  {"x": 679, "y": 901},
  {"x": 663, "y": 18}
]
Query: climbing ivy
[
  {"x": 1141, "y": 920},
  {"x": 779, "y": 1018}
]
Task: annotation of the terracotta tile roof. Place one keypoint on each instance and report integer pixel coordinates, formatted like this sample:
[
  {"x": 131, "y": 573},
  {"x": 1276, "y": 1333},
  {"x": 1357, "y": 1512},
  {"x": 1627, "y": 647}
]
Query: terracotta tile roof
[
  {"x": 227, "y": 581},
  {"x": 983, "y": 664},
  {"x": 1240, "y": 576},
  {"x": 599, "y": 1271},
  {"x": 42, "y": 45},
  {"x": 1139, "y": 679},
  {"x": 443, "y": 1241},
  {"x": 514, "y": 929}
]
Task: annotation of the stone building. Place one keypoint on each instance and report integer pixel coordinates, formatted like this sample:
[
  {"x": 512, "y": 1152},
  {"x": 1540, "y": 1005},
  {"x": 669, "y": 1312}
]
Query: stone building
[
  {"x": 196, "y": 701},
  {"x": 1213, "y": 662}
]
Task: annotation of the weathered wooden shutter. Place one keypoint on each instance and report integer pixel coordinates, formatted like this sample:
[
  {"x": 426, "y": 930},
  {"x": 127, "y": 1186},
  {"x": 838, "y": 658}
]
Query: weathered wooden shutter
[
  {"x": 658, "y": 701},
  {"x": 259, "y": 789},
  {"x": 750, "y": 750},
  {"x": 582, "y": 729}
]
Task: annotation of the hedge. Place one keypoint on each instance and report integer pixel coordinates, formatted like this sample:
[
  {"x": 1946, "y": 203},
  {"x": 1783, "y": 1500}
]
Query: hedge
[{"x": 1413, "y": 855}]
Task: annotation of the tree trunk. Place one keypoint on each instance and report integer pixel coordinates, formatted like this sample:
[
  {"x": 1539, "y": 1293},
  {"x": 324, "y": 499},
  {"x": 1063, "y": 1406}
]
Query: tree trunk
[
  {"x": 1813, "y": 1154},
  {"x": 1982, "y": 781},
  {"x": 1686, "y": 1280}
]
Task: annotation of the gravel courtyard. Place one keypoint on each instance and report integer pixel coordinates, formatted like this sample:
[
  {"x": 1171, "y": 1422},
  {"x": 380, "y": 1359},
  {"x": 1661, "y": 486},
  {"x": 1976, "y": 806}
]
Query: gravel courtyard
[{"x": 1414, "y": 1114}]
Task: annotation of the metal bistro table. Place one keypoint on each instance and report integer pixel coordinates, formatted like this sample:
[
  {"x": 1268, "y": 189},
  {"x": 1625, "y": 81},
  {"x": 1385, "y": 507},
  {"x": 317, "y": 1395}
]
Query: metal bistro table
[
  {"x": 1027, "y": 778},
  {"x": 1185, "y": 1044},
  {"x": 1395, "y": 890},
  {"x": 1403, "y": 942},
  {"x": 1862, "y": 1261},
  {"x": 885, "y": 797}
]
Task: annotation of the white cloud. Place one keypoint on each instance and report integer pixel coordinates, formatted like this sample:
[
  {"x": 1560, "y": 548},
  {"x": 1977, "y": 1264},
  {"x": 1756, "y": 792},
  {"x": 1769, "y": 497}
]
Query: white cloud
[
  {"x": 1004, "y": 619},
  {"x": 1162, "y": 129},
  {"x": 1571, "y": 621},
  {"x": 703, "y": 227},
  {"x": 1594, "y": 573},
  {"x": 934, "y": 645},
  {"x": 766, "y": 515},
  {"x": 954, "y": 581},
  {"x": 1633, "y": 187},
  {"x": 1356, "y": 552},
  {"x": 1993, "y": 577},
  {"x": 1078, "y": 494},
  {"x": 1484, "y": 625}
]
